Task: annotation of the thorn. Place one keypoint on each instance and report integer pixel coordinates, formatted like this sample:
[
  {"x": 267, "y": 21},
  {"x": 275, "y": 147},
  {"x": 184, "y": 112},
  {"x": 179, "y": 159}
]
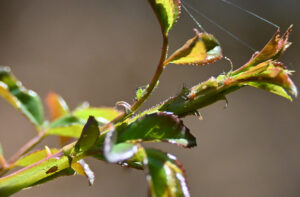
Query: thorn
[
  {"x": 198, "y": 114},
  {"x": 231, "y": 64},
  {"x": 48, "y": 151},
  {"x": 125, "y": 105},
  {"x": 226, "y": 102}
]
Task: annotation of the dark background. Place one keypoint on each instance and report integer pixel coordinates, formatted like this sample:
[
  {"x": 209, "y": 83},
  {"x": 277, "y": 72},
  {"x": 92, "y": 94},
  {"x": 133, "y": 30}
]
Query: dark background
[{"x": 101, "y": 51}]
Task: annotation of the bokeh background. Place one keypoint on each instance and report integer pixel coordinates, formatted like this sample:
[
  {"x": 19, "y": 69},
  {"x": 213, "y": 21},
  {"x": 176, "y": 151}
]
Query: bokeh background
[{"x": 101, "y": 51}]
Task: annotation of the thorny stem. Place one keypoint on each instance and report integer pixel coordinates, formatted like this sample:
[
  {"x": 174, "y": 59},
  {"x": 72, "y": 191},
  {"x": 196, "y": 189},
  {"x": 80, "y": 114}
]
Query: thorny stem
[
  {"x": 153, "y": 82},
  {"x": 27, "y": 147},
  {"x": 156, "y": 76},
  {"x": 160, "y": 67},
  {"x": 150, "y": 87}
]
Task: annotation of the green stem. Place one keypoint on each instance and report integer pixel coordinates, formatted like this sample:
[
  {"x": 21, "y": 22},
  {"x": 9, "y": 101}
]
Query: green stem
[
  {"x": 39, "y": 172},
  {"x": 30, "y": 175}
]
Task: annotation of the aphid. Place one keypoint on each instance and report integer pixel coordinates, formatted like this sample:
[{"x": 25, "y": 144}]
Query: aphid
[{"x": 52, "y": 169}]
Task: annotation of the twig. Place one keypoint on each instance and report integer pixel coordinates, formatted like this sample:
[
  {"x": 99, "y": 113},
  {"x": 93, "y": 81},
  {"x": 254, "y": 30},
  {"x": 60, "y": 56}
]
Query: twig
[
  {"x": 23, "y": 150},
  {"x": 27, "y": 147}
]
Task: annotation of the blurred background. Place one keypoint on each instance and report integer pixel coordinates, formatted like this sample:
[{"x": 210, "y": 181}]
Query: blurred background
[{"x": 102, "y": 51}]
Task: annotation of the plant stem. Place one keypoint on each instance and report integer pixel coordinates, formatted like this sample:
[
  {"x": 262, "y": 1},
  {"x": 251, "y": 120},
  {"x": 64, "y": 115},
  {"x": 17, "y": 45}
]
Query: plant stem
[
  {"x": 156, "y": 76},
  {"x": 23, "y": 150},
  {"x": 151, "y": 86},
  {"x": 27, "y": 147}
]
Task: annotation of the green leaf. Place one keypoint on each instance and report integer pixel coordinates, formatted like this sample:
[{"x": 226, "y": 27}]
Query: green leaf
[
  {"x": 73, "y": 131},
  {"x": 89, "y": 136},
  {"x": 115, "y": 153},
  {"x": 200, "y": 50},
  {"x": 166, "y": 175},
  {"x": 66, "y": 126},
  {"x": 102, "y": 114},
  {"x": 83, "y": 169},
  {"x": 167, "y": 12},
  {"x": 275, "y": 89},
  {"x": 156, "y": 127},
  {"x": 71, "y": 125},
  {"x": 34, "y": 157},
  {"x": 27, "y": 101}
]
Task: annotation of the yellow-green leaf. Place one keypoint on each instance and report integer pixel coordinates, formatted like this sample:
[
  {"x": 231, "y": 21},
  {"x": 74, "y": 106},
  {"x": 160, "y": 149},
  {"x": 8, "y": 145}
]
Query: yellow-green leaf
[
  {"x": 167, "y": 12},
  {"x": 34, "y": 157},
  {"x": 102, "y": 114},
  {"x": 32, "y": 175},
  {"x": 27, "y": 101},
  {"x": 275, "y": 89},
  {"x": 73, "y": 131},
  {"x": 66, "y": 126},
  {"x": 200, "y": 50}
]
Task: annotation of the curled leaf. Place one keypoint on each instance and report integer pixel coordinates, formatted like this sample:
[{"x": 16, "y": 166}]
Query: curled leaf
[
  {"x": 202, "y": 49},
  {"x": 27, "y": 101},
  {"x": 156, "y": 127},
  {"x": 137, "y": 160},
  {"x": 83, "y": 169},
  {"x": 167, "y": 12},
  {"x": 166, "y": 176},
  {"x": 271, "y": 76},
  {"x": 272, "y": 51},
  {"x": 114, "y": 152}
]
